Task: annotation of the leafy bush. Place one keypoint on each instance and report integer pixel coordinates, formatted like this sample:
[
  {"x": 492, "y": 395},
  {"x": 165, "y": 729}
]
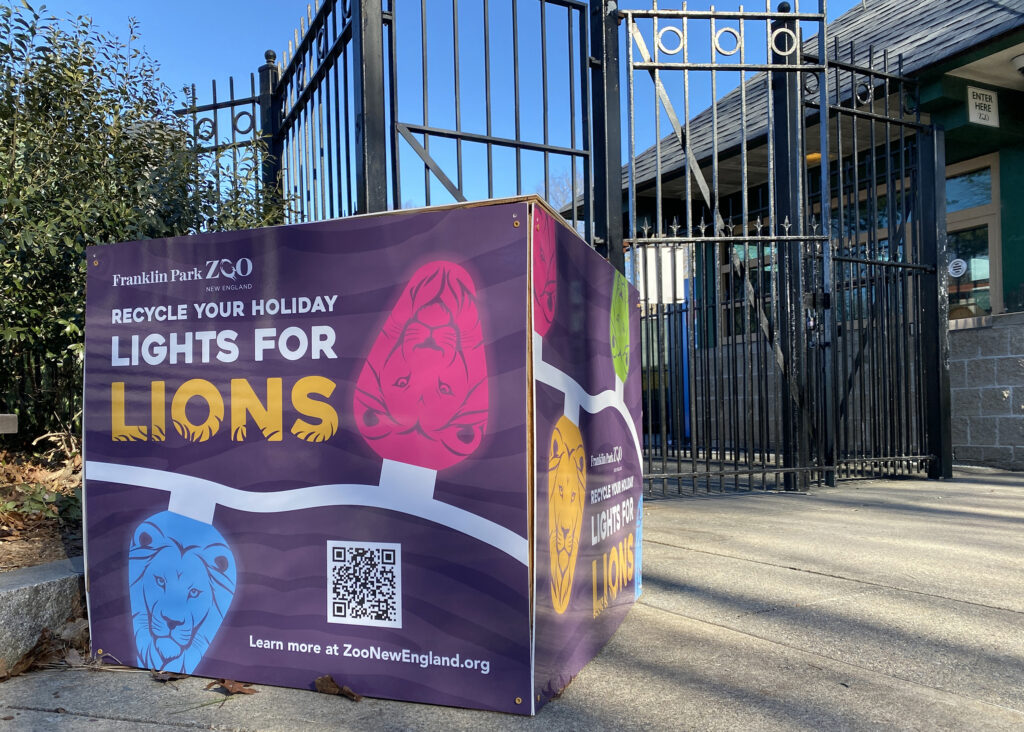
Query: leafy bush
[
  {"x": 90, "y": 153},
  {"x": 31, "y": 500}
]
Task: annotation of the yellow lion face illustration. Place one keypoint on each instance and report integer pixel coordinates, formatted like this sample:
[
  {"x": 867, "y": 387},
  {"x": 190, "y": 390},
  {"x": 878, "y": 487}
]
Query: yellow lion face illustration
[{"x": 567, "y": 482}]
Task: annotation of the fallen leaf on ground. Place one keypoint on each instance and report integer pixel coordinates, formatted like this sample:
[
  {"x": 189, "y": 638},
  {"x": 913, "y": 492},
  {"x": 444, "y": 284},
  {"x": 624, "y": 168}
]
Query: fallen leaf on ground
[
  {"x": 347, "y": 692},
  {"x": 327, "y": 685},
  {"x": 164, "y": 676},
  {"x": 232, "y": 687},
  {"x": 76, "y": 632}
]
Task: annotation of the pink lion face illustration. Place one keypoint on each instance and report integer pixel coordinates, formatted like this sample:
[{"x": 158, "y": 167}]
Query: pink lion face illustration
[
  {"x": 545, "y": 294},
  {"x": 421, "y": 397}
]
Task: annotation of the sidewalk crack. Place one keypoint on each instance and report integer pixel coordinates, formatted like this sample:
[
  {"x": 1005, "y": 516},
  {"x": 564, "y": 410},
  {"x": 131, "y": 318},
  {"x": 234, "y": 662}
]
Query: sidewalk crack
[{"x": 134, "y": 720}]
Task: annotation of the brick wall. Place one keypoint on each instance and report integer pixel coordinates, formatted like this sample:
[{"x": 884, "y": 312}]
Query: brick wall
[{"x": 986, "y": 377}]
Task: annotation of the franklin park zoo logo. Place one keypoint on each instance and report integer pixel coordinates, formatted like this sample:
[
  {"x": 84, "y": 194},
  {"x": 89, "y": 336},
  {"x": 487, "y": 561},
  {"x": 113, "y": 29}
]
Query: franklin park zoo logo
[{"x": 229, "y": 273}]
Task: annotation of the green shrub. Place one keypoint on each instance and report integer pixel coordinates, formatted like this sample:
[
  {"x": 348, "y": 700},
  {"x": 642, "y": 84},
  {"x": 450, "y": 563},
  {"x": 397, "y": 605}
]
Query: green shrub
[{"x": 90, "y": 153}]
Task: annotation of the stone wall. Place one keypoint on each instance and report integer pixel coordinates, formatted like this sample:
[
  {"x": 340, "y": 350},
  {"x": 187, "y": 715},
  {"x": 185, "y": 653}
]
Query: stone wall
[{"x": 986, "y": 378}]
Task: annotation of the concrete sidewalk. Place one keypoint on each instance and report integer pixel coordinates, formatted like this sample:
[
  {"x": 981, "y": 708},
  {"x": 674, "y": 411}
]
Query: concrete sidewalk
[{"x": 881, "y": 604}]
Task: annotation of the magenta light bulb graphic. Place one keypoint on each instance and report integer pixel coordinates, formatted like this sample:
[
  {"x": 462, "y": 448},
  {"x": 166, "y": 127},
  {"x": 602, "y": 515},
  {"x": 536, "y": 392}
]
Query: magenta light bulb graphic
[
  {"x": 421, "y": 397},
  {"x": 545, "y": 272}
]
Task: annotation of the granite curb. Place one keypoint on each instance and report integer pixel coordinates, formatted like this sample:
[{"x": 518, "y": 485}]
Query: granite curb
[{"x": 36, "y": 598}]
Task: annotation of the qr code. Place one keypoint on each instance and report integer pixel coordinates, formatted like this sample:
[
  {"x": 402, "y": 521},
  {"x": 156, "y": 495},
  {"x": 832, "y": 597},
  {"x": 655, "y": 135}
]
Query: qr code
[{"x": 364, "y": 583}]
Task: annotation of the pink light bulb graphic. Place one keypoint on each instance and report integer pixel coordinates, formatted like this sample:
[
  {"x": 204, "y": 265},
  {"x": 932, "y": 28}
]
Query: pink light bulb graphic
[
  {"x": 545, "y": 272},
  {"x": 421, "y": 397}
]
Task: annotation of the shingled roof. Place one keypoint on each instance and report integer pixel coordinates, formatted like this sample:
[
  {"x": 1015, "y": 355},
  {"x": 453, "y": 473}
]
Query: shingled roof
[{"x": 924, "y": 32}]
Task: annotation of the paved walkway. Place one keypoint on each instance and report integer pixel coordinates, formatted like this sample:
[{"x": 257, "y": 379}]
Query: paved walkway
[{"x": 875, "y": 605}]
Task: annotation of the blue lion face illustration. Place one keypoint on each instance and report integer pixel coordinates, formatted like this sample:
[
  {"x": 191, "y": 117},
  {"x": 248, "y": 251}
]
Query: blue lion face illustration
[{"x": 181, "y": 582}]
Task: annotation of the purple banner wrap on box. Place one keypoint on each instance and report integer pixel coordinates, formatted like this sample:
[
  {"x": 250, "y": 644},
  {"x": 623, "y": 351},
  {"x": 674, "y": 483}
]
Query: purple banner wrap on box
[
  {"x": 589, "y": 483},
  {"x": 306, "y": 454}
]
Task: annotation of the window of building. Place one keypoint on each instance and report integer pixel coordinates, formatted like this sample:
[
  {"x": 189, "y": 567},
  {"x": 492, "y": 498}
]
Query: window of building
[
  {"x": 968, "y": 190},
  {"x": 973, "y": 238},
  {"x": 970, "y": 291}
]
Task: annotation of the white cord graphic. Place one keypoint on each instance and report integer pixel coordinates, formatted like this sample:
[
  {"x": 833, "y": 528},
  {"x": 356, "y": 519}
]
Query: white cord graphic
[
  {"x": 575, "y": 396},
  {"x": 403, "y": 488}
]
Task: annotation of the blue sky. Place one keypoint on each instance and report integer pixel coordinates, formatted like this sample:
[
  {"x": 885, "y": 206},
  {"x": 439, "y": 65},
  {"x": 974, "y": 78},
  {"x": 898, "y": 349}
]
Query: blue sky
[{"x": 196, "y": 41}]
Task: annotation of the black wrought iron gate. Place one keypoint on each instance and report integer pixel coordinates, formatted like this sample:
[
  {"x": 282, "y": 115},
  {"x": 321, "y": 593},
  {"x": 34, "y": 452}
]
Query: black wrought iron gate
[
  {"x": 391, "y": 103},
  {"x": 784, "y": 236},
  {"x": 784, "y": 200}
]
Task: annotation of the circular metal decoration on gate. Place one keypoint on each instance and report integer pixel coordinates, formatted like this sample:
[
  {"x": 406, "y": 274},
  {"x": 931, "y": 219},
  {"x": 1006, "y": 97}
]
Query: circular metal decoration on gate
[
  {"x": 321, "y": 44},
  {"x": 957, "y": 268},
  {"x": 863, "y": 93},
  {"x": 811, "y": 84},
  {"x": 718, "y": 41},
  {"x": 661, "y": 44},
  {"x": 910, "y": 101},
  {"x": 791, "y": 42},
  {"x": 204, "y": 129},
  {"x": 243, "y": 123}
]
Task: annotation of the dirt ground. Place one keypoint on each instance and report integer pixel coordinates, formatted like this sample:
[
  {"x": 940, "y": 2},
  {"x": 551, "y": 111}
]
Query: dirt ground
[
  {"x": 45, "y": 526},
  {"x": 44, "y": 543}
]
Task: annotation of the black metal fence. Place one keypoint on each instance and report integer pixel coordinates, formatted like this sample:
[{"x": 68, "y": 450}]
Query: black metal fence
[
  {"x": 785, "y": 238},
  {"x": 492, "y": 99},
  {"x": 400, "y": 103},
  {"x": 324, "y": 121},
  {"x": 784, "y": 214},
  {"x": 889, "y": 398}
]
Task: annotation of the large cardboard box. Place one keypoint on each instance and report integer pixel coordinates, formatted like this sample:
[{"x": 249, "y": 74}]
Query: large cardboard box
[{"x": 401, "y": 450}]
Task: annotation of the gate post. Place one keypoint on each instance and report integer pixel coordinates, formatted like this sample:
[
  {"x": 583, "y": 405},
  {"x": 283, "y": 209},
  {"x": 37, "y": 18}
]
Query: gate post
[
  {"x": 368, "y": 97},
  {"x": 788, "y": 171},
  {"x": 604, "y": 63},
  {"x": 270, "y": 124},
  {"x": 934, "y": 305}
]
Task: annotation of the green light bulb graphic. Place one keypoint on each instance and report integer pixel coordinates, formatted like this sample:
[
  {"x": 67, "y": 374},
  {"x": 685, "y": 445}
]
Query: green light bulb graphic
[{"x": 618, "y": 328}]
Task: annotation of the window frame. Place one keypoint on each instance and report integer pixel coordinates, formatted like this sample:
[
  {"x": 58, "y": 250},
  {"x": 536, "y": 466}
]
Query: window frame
[{"x": 989, "y": 215}]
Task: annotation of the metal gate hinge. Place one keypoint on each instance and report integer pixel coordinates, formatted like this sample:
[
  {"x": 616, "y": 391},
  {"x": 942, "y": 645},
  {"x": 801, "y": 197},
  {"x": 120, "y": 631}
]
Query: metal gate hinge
[
  {"x": 817, "y": 300},
  {"x": 594, "y": 62}
]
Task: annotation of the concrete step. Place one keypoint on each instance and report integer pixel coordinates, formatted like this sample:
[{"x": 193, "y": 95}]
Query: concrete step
[{"x": 8, "y": 424}]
